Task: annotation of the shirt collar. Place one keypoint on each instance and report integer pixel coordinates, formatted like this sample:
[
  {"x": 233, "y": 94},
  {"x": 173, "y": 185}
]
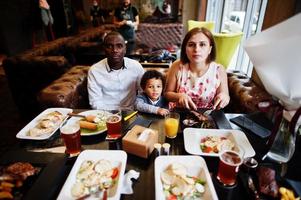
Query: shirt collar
[
  {"x": 109, "y": 70},
  {"x": 154, "y": 102}
]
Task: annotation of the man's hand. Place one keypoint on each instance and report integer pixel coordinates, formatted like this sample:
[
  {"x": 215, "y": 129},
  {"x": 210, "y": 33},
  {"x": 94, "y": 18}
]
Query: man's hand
[
  {"x": 221, "y": 100},
  {"x": 186, "y": 102},
  {"x": 130, "y": 23},
  {"x": 162, "y": 111}
]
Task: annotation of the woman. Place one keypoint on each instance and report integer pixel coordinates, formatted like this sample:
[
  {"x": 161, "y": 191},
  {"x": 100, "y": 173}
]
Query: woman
[{"x": 196, "y": 81}]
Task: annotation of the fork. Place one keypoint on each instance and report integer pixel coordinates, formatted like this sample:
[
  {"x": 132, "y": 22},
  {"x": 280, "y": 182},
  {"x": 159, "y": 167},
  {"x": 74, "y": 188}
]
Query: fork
[
  {"x": 253, "y": 188},
  {"x": 207, "y": 112}
]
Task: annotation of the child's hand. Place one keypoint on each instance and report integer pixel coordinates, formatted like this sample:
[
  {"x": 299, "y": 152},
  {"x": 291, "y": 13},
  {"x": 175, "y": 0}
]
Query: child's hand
[{"x": 162, "y": 111}]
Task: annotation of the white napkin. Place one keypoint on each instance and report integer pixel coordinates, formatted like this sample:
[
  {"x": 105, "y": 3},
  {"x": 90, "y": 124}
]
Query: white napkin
[
  {"x": 60, "y": 149},
  {"x": 275, "y": 53},
  {"x": 127, "y": 182}
]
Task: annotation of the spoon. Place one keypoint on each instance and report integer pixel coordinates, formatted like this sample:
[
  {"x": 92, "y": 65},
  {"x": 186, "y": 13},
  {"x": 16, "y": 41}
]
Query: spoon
[{"x": 189, "y": 122}]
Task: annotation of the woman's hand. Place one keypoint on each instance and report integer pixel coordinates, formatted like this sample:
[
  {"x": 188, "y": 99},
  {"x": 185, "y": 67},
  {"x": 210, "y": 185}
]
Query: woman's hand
[
  {"x": 221, "y": 100},
  {"x": 162, "y": 111},
  {"x": 186, "y": 102}
]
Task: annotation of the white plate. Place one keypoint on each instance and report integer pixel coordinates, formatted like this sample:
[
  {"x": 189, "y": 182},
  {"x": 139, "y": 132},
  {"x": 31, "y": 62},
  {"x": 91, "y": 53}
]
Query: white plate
[
  {"x": 193, "y": 136},
  {"x": 195, "y": 165},
  {"x": 85, "y": 113},
  {"x": 116, "y": 157},
  {"x": 23, "y": 134}
]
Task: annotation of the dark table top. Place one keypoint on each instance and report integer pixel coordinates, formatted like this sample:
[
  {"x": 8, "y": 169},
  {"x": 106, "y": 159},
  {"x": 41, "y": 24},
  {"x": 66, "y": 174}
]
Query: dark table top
[{"x": 144, "y": 187}]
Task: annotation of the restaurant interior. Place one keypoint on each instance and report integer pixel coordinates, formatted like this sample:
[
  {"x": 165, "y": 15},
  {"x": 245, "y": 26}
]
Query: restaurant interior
[{"x": 45, "y": 67}]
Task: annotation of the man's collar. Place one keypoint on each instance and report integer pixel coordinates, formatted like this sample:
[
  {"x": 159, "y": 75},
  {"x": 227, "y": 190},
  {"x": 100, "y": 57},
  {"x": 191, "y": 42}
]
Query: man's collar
[{"x": 109, "y": 69}]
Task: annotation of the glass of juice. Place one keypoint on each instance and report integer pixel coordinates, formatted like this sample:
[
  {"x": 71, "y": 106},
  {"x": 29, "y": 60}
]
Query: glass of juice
[
  {"x": 71, "y": 136},
  {"x": 171, "y": 124},
  {"x": 229, "y": 162},
  {"x": 113, "y": 122}
]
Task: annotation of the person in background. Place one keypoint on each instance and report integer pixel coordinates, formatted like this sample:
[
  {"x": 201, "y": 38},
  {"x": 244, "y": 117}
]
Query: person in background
[
  {"x": 166, "y": 8},
  {"x": 96, "y": 14},
  {"x": 196, "y": 81},
  {"x": 151, "y": 100},
  {"x": 113, "y": 82},
  {"x": 47, "y": 19},
  {"x": 126, "y": 19}
]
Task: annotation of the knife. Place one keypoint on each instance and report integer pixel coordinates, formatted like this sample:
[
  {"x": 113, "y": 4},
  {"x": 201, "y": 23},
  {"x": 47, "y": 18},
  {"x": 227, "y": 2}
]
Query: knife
[{"x": 253, "y": 188}]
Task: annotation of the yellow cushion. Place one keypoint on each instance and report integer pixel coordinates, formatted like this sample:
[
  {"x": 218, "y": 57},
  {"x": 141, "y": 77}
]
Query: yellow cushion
[
  {"x": 226, "y": 44},
  {"x": 193, "y": 24}
]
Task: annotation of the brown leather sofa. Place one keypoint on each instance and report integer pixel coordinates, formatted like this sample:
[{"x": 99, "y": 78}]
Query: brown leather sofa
[
  {"x": 31, "y": 71},
  {"x": 70, "y": 91},
  {"x": 244, "y": 93},
  {"x": 34, "y": 69}
]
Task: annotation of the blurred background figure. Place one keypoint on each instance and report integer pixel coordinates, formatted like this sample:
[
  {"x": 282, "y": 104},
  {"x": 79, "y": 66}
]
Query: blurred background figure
[
  {"x": 96, "y": 14},
  {"x": 166, "y": 8},
  {"x": 126, "y": 19},
  {"x": 47, "y": 19}
]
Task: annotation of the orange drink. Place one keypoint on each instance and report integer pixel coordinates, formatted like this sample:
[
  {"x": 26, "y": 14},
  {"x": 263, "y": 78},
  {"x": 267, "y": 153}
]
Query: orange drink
[{"x": 171, "y": 125}]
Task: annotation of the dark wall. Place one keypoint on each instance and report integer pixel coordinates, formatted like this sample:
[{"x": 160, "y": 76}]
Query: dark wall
[
  {"x": 20, "y": 23},
  {"x": 16, "y": 25}
]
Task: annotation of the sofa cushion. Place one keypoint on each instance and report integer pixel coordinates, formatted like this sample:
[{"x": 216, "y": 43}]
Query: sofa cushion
[
  {"x": 69, "y": 91},
  {"x": 245, "y": 94}
]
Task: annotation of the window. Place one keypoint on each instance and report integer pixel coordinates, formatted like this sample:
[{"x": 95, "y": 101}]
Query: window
[{"x": 237, "y": 15}]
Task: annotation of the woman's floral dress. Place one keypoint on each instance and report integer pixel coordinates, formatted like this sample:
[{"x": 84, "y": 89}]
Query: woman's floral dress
[{"x": 202, "y": 90}]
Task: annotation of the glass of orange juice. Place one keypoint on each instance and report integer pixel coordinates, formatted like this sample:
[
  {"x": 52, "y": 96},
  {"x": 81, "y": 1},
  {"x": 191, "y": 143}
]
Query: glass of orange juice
[{"x": 171, "y": 124}]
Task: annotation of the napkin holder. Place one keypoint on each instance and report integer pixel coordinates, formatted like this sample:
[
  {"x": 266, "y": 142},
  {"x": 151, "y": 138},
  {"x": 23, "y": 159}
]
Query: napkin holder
[{"x": 140, "y": 141}]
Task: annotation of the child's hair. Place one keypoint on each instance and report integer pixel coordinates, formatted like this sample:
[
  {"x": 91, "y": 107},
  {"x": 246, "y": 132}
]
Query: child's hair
[{"x": 149, "y": 75}]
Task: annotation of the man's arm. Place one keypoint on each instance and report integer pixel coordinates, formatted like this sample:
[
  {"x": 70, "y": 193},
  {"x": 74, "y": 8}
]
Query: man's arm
[
  {"x": 94, "y": 91},
  {"x": 136, "y": 19},
  {"x": 116, "y": 21}
]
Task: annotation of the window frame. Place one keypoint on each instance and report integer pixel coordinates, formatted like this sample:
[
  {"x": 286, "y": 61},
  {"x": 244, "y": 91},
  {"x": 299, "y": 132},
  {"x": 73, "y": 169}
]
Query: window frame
[{"x": 215, "y": 12}]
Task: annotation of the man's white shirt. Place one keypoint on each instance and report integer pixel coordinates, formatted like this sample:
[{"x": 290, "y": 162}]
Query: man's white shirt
[{"x": 114, "y": 89}]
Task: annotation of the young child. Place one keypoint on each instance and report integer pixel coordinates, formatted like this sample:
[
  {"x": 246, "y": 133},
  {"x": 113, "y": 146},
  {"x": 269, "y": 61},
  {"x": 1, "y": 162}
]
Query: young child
[{"x": 151, "y": 101}]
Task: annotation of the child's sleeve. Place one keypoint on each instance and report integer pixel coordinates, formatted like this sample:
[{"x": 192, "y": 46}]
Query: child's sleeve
[{"x": 142, "y": 105}]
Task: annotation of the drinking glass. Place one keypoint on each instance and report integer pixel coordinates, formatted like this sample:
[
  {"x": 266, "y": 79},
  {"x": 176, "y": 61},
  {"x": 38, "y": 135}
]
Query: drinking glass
[
  {"x": 71, "y": 136},
  {"x": 113, "y": 122},
  {"x": 229, "y": 163},
  {"x": 171, "y": 124}
]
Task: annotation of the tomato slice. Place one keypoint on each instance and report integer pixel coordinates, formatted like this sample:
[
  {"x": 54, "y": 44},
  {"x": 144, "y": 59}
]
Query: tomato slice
[
  {"x": 115, "y": 173},
  {"x": 172, "y": 197},
  {"x": 207, "y": 150}
]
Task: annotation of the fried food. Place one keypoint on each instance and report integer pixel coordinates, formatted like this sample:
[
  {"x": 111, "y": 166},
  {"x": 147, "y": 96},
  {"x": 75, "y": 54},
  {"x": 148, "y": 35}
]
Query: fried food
[
  {"x": 21, "y": 169},
  {"x": 13, "y": 176},
  {"x": 87, "y": 125},
  {"x": 287, "y": 194}
]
